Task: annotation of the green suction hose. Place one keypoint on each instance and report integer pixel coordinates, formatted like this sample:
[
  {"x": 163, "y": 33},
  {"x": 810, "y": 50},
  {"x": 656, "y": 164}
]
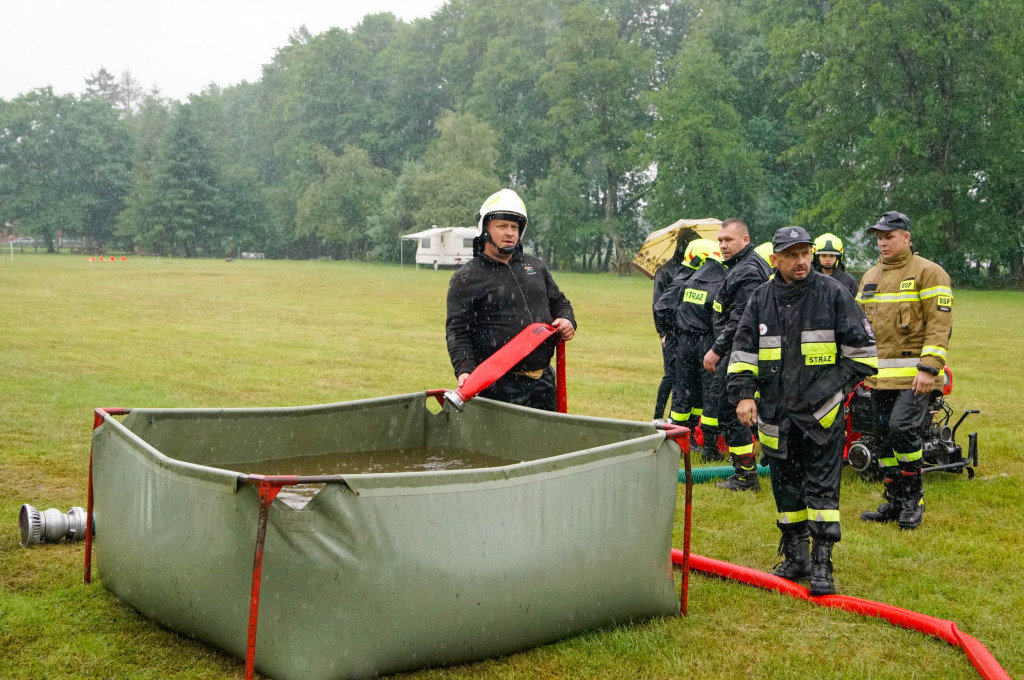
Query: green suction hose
[{"x": 707, "y": 474}]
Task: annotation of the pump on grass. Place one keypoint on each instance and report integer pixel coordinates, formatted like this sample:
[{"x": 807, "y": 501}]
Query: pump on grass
[{"x": 939, "y": 449}]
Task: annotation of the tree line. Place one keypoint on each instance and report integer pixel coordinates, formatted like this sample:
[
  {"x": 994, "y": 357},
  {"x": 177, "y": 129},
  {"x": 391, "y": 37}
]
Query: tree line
[{"x": 610, "y": 117}]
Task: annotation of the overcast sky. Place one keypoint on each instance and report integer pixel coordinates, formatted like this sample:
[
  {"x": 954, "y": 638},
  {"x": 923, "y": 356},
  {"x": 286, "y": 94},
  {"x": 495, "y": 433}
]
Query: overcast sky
[{"x": 179, "y": 46}]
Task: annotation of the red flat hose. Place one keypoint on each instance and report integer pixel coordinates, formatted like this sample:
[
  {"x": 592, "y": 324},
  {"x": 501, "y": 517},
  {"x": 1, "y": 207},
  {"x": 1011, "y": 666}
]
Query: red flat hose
[
  {"x": 502, "y": 361},
  {"x": 979, "y": 656}
]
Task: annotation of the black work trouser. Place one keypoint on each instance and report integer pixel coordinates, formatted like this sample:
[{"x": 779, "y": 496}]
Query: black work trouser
[
  {"x": 898, "y": 416},
  {"x": 668, "y": 378},
  {"x": 513, "y": 388},
  {"x": 737, "y": 435},
  {"x": 806, "y": 482},
  {"x": 693, "y": 384}
]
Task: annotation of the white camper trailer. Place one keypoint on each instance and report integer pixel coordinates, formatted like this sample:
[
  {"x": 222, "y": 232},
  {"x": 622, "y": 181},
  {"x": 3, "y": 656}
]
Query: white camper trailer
[{"x": 444, "y": 246}]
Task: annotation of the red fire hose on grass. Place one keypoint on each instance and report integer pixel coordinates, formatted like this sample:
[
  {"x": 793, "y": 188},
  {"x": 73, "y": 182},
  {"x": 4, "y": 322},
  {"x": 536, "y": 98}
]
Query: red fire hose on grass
[{"x": 979, "y": 656}]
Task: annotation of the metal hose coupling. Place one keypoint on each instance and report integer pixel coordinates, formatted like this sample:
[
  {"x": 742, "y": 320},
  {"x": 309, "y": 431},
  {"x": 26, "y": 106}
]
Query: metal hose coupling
[
  {"x": 454, "y": 397},
  {"x": 50, "y": 526}
]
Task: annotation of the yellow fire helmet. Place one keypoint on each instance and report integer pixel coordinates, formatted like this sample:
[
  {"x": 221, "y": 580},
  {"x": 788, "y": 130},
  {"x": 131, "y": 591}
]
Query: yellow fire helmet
[
  {"x": 828, "y": 244},
  {"x": 699, "y": 250},
  {"x": 764, "y": 250}
]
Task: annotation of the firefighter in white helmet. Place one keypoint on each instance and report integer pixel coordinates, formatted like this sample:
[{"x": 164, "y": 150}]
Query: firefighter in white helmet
[{"x": 497, "y": 294}]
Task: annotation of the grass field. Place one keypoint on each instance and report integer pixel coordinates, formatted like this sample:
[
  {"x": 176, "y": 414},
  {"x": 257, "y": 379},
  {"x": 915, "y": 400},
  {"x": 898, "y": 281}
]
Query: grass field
[{"x": 150, "y": 332}]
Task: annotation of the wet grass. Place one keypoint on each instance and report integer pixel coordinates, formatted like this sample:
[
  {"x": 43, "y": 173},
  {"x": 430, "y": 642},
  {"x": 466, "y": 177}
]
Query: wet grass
[{"x": 76, "y": 335}]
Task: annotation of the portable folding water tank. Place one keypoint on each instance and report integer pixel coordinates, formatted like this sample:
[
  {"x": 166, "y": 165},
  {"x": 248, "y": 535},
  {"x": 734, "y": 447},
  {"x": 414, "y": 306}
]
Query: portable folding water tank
[{"x": 386, "y": 571}]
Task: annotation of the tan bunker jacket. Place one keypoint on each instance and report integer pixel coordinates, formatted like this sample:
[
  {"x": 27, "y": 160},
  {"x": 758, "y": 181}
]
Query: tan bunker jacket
[{"x": 909, "y": 302}]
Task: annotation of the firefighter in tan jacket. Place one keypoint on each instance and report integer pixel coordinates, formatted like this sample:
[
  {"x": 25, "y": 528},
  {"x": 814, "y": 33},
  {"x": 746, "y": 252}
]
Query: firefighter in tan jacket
[{"x": 909, "y": 302}]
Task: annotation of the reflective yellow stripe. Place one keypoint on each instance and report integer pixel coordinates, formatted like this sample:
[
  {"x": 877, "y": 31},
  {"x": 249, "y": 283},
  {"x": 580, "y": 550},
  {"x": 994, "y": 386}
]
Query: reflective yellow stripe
[
  {"x": 710, "y": 422},
  {"x": 767, "y": 440},
  {"x": 741, "y": 366},
  {"x": 678, "y": 417},
  {"x": 934, "y": 350},
  {"x": 769, "y": 354},
  {"x": 908, "y": 372},
  {"x": 696, "y": 411},
  {"x": 906, "y": 296},
  {"x": 741, "y": 450},
  {"x": 869, "y": 361},
  {"x": 909, "y": 457},
  {"x": 822, "y": 515},
  {"x": 888, "y": 462},
  {"x": 817, "y": 348},
  {"x": 936, "y": 290},
  {"x": 830, "y": 417},
  {"x": 792, "y": 516}
]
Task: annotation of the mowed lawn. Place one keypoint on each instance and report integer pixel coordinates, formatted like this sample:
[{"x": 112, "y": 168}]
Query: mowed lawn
[{"x": 148, "y": 332}]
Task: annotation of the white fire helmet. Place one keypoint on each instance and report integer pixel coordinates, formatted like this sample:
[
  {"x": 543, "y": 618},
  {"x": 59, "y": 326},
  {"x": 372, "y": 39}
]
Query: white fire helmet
[{"x": 505, "y": 205}]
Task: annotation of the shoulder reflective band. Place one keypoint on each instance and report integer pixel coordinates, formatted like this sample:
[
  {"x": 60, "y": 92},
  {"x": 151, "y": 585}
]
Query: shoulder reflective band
[
  {"x": 934, "y": 350},
  {"x": 743, "y": 361},
  {"x": 769, "y": 348},
  {"x": 695, "y": 296}
]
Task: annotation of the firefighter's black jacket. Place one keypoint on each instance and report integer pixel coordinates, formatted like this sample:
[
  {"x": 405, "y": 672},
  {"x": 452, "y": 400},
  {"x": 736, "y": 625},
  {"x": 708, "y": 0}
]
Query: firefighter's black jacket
[
  {"x": 803, "y": 346},
  {"x": 667, "y": 304},
  {"x": 841, "y": 275},
  {"x": 489, "y": 302},
  {"x": 746, "y": 271},
  {"x": 693, "y": 297},
  {"x": 662, "y": 280}
]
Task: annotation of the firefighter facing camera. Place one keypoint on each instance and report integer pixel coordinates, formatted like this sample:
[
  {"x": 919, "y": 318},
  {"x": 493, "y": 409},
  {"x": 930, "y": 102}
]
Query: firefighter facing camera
[
  {"x": 828, "y": 259},
  {"x": 498, "y": 293},
  {"x": 801, "y": 344},
  {"x": 909, "y": 302}
]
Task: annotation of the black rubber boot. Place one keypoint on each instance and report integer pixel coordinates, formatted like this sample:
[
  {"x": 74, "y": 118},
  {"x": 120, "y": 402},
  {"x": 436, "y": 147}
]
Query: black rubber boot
[
  {"x": 912, "y": 496},
  {"x": 710, "y": 453},
  {"x": 888, "y": 511},
  {"x": 795, "y": 544},
  {"x": 821, "y": 568},
  {"x": 745, "y": 478}
]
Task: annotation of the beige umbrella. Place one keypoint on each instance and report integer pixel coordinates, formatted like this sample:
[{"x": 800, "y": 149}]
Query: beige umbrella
[{"x": 660, "y": 246}]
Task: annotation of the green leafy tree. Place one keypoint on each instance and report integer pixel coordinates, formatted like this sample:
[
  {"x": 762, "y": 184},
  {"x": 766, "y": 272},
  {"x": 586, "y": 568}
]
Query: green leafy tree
[
  {"x": 915, "y": 105},
  {"x": 337, "y": 208},
  {"x": 698, "y": 145},
  {"x": 595, "y": 85},
  {"x": 458, "y": 172},
  {"x": 64, "y": 165}
]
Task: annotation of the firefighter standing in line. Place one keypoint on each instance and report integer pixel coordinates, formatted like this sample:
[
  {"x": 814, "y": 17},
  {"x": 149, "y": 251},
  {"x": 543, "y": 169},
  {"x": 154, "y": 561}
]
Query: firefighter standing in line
[
  {"x": 662, "y": 280},
  {"x": 498, "y": 293},
  {"x": 690, "y": 298},
  {"x": 802, "y": 343},
  {"x": 828, "y": 259},
  {"x": 909, "y": 302},
  {"x": 746, "y": 271}
]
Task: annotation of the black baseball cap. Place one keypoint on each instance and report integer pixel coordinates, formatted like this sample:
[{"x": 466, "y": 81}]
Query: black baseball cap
[
  {"x": 790, "y": 236},
  {"x": 891, "y": 220}
]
